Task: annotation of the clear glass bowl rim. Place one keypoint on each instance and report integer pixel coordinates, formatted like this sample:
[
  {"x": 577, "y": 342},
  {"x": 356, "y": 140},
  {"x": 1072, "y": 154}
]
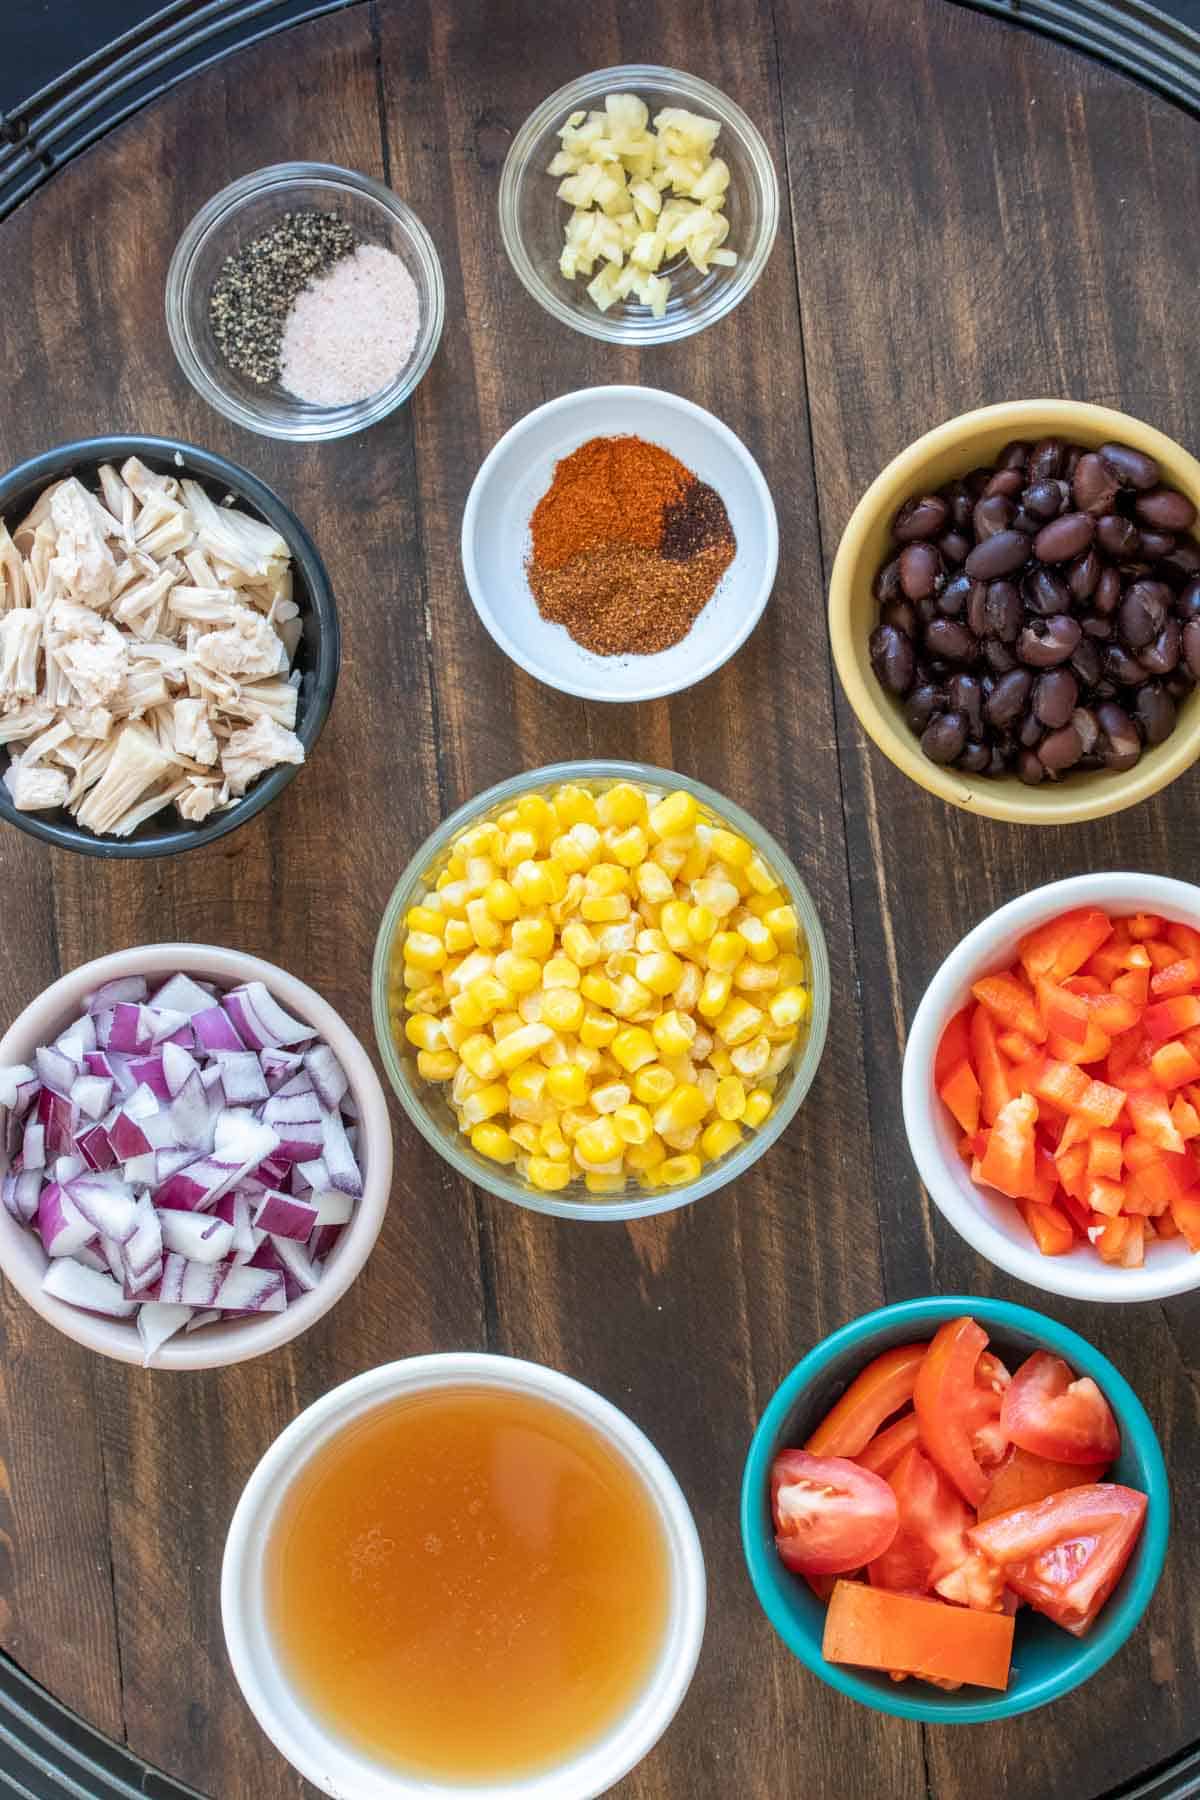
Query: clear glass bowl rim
[
  {"x": 715, "y": 1175},
  {"x": 324, "y": 423},
  {"x": 700, "y": 94}
]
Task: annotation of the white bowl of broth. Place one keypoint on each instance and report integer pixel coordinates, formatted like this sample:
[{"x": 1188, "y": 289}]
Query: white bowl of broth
[{"x": 463, "y": 1577}]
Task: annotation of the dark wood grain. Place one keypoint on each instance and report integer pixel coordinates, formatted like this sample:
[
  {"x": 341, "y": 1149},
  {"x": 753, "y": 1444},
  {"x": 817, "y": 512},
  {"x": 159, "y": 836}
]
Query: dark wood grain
[{"x": 973, "y": 214}]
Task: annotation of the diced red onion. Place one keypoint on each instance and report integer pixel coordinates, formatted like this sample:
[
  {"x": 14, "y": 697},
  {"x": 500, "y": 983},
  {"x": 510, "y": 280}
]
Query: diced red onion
[
  {"x": 242, "y": 1077},
  {"x": 61, "y": 1226},
  {"x": 191, "y": 1114},
  {"x": 279, "y": 1066},
  {"x": 126, "y": 989},
  {"x": 127, "y": 1137},
  {"x": 156, "y": 1323},
  {"x": 92, "y": 1094},
  {"x": 78, "y": 1039},
  {"x": 328, "y": 1076},
  {"x": 247, "y": 1289},
  {"x": 165, "y": 1024},
  {"x": 339, "y": 1158},
  {"x": 147, "y": 1071},
  {"x": 21, "y": 1194},
  {"x": 214, "y": 1030},
  {"x": 177, "y": 1064},
  {"x": 182, "y": 995},
  {"x": 197, "y": 1235},
  {"x": 282, "y": 1216},
  {"x": 96, "y": 1148},
  {"x": 33, "y": 1147},
  {"x": 131, "y": 1030},
  {"x": 88, "y": 1288},
  {"x": 18, "y": 1085},
  {"x": 56, "y": 1071},
  {"x": 199, "y": 1320},
  {"x": 90, "y": 1257},
  {"x": 260, "y": 1020},
  {"x": 104, "y": 1199}
]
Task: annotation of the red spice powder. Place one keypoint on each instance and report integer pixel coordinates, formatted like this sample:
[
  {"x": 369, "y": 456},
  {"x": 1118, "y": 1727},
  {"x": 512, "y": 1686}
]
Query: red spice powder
[{"x": 610, "y": 490}]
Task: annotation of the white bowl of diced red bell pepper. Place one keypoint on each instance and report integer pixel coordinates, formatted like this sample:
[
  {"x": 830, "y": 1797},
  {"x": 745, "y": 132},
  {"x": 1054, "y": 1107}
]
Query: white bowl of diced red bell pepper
[
  {"x": 195, "y": 1156},
  {"x": 1052, "y": 1087}
]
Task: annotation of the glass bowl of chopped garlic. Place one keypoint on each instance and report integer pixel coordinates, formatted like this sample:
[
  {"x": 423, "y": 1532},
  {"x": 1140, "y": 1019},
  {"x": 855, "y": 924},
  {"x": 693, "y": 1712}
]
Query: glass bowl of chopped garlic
[
  {"x": 638, "y": 204},
  {"x": 601, "y": 990}
]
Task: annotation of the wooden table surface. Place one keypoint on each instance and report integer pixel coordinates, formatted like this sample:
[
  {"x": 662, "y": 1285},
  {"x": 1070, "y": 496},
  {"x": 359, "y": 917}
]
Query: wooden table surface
[{"x": 975, "y": 214}]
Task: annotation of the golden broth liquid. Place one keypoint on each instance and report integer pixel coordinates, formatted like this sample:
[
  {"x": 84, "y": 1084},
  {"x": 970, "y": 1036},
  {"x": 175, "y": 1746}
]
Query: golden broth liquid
[{"x": 468, "y": 1584}]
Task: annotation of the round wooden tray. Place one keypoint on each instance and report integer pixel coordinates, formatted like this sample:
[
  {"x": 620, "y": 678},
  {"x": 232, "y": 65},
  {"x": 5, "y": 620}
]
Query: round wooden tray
[{"x": 975, "y": 213}]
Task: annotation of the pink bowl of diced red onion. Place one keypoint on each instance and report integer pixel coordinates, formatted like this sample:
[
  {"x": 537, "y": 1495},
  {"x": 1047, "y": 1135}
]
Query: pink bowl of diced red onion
[{"x": 195, "y": 1156}]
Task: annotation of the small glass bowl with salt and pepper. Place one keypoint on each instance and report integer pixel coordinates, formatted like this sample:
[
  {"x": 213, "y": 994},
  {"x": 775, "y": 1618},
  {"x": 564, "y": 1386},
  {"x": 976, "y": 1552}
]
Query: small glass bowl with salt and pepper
[{"x": 305, "y": 301}]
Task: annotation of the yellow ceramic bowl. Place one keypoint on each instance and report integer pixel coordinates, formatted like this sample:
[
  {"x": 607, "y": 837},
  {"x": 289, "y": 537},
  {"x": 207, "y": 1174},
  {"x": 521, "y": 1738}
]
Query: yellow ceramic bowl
[{"x": 940, "y": 456}]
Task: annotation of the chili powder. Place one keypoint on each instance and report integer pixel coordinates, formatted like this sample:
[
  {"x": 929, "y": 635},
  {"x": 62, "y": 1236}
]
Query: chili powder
[{"x": 627, "y": 547}]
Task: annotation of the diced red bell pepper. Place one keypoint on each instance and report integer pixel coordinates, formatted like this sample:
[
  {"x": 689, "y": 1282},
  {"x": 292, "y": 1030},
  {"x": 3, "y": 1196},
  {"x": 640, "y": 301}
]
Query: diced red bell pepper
[
  {"x": 1090, "y": 985},
  {"x": 1113, "y": 1014},
  {"x": 1065, "y": 1013},
  {"x": 1105, "y": 1158},
  {"x": 1045, "y": 1177},
  {"x": 1072, "y": 1170},
  {"x": 1146, "y": 925},
  {"x": 1076, "y": 1212},
  {"x": 1050, "y": 1227},
  {"x": 1094, "y": 1047},
  {"x": 1011, "y": 1005},
  {"x": 1107, "y": 1197},
  {"x": 1186, "y": 1213},
  {"x": 1138, "y": 1152},
  {"x": 1060, "y": 1083},
  {"x": 1009, "y": 1162},
  {"x": 960, "y": 1092},
  {"x": 1165, "y": 1226},
  {"x": 1151, "y": 1190},
  {"x": 1099, "y": 1105},
  {"x": 989, "y": 1066},
  {"x": 1175, "y": 978},
  {"x": 1062, "y": 946},
  {"x": 1185, "y": 939},
  {"x": 1151, "y": 1118},
  {"x": 955, "y": 1045},
  {"x": 1112, "y": 1240},
  {"x": 1170, "y": 1018},
  {"x": 1173, "y": 1065},
  {"x": 1075, "y": 1131},
  {"x": 1185, "y": 1118},
  {"x": 1133, "y": 985},
  {"x": 1014, "y": 1046}
]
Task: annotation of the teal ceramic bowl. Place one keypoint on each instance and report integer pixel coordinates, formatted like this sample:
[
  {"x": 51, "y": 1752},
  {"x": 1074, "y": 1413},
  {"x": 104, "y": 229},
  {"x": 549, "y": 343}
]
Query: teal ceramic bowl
[{"x": 1047, "y": 1662}]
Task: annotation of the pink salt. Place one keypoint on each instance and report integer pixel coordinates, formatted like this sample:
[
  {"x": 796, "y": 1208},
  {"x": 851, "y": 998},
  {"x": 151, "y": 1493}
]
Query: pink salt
[{"x": 351, "y": 331}]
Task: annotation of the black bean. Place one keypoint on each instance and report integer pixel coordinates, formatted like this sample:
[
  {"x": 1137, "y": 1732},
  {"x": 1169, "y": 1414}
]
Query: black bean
[
  {"x": 950, "y": 640},
  {"x": 1156, "y": 545},
  {"x": 1054, "y": 698},
  {"x": 1065, "y": 537},
  {"x": 1071, "y": 462},
  {"x": 1191, "y": 647},
  {"x": 944, "y": 737},
  {"x": 1086, "y": 724},
  {"x": 1025, "y": 522},
  {"x": 1083, "y": 575},
  {"x": 1004, "y": 484},
  {"x": 954, "y": 596},
  {"x": 961, "y": 504},
  {"x": 998, "y": 656},
  {"x": 1013, "y": 456},
  {"x": 924, "y": 516},
  {"x": 954, "y": 545},
  {"x": 1155, "y": 712},
  {"x": 1004, "y": 611},
  {"x": 927, "y": 609},
  {"x": 1061, "y": 750},
  {"x": 900, "y": 613},
  {"x": 977, "y": 608},
  {"x": 1045, "y": 643},
  {"x": 1046, "y": 593},
  {"x": 1087, "y": 661},
  {"x": 992, "y": 514},
  {"x": 920, "y": 706},
  {"x": 1046, "y": 459},
  {"x": 999, "y": 555},
  {"x": 1183, "y": 563},
  {"x": 1120, "y": 745},
  {"x": 1030, "y": 732},
  {"x": 975, "y": 481},
  {"x": 1096, "y": 627},
  {"x": 1143, "y": 612},
  {"x": 1107, "y": 596},
  {"x": 1132, "y": 468},
  {"x": 1180, "y": 682},
  {"x": 965, "y": 694},
  {"x": 1001, "y": 757},
  {"x": 1029, "y": 768},
  {"x": 892, "y": 658},
  {"x": 887, "y": 582},
  {"x": 1187, "y": 602},
  {"x": 921, "y": 571},
  {"x": 1162, "y": 656},
  {"x": 1094, "y": 488},
  {"x": 975, "y": 759},
  {"x": 1166, "y": 509},
  {"x": 1118, "y": 537},
  {"x": 1007, "y": 699},
  {"x": 1123, "y": 668},
  {"x": 1044, "y": 499}
]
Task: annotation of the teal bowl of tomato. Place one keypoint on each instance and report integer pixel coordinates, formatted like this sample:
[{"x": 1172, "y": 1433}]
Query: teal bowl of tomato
[{"x": 1047, "y": 1661}]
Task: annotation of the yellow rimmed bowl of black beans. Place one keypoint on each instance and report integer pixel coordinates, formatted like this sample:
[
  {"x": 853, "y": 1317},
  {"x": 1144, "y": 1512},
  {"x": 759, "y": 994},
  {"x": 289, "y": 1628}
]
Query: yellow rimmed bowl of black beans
[{"x": 1015, "y": 611}]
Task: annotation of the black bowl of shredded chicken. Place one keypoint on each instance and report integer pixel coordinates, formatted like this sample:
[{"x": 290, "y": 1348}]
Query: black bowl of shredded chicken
[{"x": 169, "y": 646}]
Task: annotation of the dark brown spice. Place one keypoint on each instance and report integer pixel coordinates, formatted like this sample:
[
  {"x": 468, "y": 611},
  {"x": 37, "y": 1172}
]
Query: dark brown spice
[
  {"x": 695, "y": 522},
  {"x": 625, "y": 600}
]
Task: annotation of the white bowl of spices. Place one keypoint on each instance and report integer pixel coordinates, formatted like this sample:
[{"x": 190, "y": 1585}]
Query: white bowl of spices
[
  {"x": 305, "y": 301},
  {"x": 620, "y": 543}
]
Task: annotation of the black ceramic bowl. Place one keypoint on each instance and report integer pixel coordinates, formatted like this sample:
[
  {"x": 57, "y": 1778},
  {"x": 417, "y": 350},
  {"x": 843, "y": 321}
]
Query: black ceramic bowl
[{"x": 318, "y": 656}]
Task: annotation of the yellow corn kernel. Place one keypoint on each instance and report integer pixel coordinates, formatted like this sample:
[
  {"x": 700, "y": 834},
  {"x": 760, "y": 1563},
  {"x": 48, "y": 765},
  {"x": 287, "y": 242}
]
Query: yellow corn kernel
[
  {"x": 695, "y": 862},
  {"x": 750, "y": 1060},
  {"x": 675, "y": 814},
  {"x": 729, "y": 848},
  {"x": 678, "y": 1169},
  {"x": 552, "y": 1143},
  {"x": 525, "y": 1133},
  {"x": 534, "y": 812},
  {"x": 494, "y": 1142},
  {"x": 759, "y": 1105},
  {"x": 609, "y": 1096},
  {"x": 717, "y": 896},
  {"x": 467, "y": 1013},
  {"x": 571, "y": 1120},
  {"x": 673, "y": 1033},
  {"x": 424, "y": 950},
  {"x": 480, "y": 870},
  {"x": 427, "y": 919},
  {"x": 719, "y": 1138},
  {"x": 621, "y": 805},
  {"x": 685, "y": 1105},
  {"x": 652, "y": 1084},
  {"x": 518, "y": 1046},
  {"x": 671, "y": 854},
  {"x": 597, "y": 1029},
  {"x": 687, "y": 992},
  {"x": 603, "y": 909},
  {"x": 531, "y": 883},
  {"x": 599, "y": 989},
  {"x": 562, "y": 1009},
  {"x": 790, "y": 1007},
  {"x": 633, "y": 1000},
  {"x": 654, "y": 884},
  {"x": 605, "y": 878},
  {"x": 574, "y": 806},
  {"x": 483, "y": 839},
  {"x": 706, "y": 1081},
  {"x": 599, "y": 1142},
  {"x": 490, "y": 995},
  {"x": 759, "y": 876},
  {"x": 781, "y": 1055},
  {"x": 502, "y": 900},
  {"x": 469, "y": 969},
  {"x": 714, "y": 995},
  {"x": 454, "y": 895},
  {"x": 425, "y": 1032},
  {"x": 633, "y": 1123},
  {"x": 569, "y": 854},
  {"x": 458, "y": 936},
  {"x": 596, "y": 1183},
  {"x": 505, "y": 1023},
  {"x": 783, "y": 925},
  {"x": 756, "y": 978},
  {"x": 568, "y": 1084},
  {"x": 437, "y": 1065},
  {"x": 478, "y": 1053},
  {"x": 486, "y": 930},
  {"x": 725, "y": 951},
  {"x": 730, "y": 1097},
  {"x": 560, "y": 972},
  {"x": 484, "y": 1104},
  {"x": 738, "y": 1023},
  {"x": 547, "y": 1175},
  {"x": 792, "y": 970},
  {"x": 520, "y": 974},
  {"x": 616, "y": 940},
  {"x": 758, "y": 939},
  {"x": 641, "y": 1158},
  {"x": 533, "y": 937},
  {"x": 630, "y": 847},
  {"x": 555, "y": 1052},
  {"x": 701, "y": 924},
  {"x": 673, "y": 923},
  {"x": 528, "y": 1082},
  {"x": 633, "y": 1048},
  {"x": 580, "y": 945}
]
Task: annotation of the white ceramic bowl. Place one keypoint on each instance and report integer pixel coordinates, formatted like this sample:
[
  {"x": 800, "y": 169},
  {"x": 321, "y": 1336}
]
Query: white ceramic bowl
[
  {"x": 988, "y": 1221},
  {"x": 22, "y": 1259},
  {"x": 328, "y": 1761},
  {"x": 518, "y": 471}
]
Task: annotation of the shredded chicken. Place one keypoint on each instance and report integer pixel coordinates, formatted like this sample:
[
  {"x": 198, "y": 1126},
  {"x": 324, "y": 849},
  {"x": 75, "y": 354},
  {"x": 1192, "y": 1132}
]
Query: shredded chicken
[{"x": 146, "y": 639}]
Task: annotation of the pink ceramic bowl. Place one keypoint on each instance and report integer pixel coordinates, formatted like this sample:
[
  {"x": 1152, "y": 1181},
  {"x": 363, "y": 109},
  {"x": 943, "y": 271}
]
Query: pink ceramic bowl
[{"x": 22, "y": 1259}]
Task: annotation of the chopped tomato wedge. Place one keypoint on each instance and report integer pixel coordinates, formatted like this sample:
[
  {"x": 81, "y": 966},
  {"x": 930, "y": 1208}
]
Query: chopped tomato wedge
[
  {"x": 1048, "y": 1412},
  {"x": 906, "y": 1635},
  {"x": 930, "y": 1550},
  {"x": 1023, "y": 1478},
  {"x": 888, "y": 1446},
  {"x": 1065, "y": 1554},
  {"x": 1062, "y": 946},
  {"x": 942, "y": 1398},
  {"x": 883, "y": 1387},
  {"x": 830, "y": 1515}
]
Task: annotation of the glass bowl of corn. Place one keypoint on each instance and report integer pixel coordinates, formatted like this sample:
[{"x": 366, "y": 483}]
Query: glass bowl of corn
[{"x": 600, "y": 990}]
